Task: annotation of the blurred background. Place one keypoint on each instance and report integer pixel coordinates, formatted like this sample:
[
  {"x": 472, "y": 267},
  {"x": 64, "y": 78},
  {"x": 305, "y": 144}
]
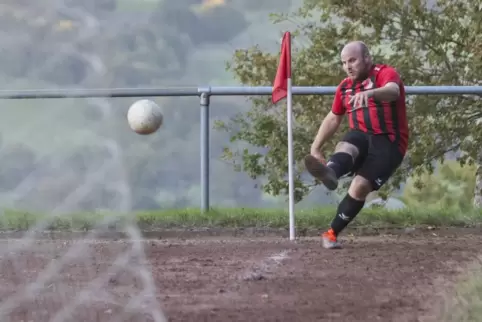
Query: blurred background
[{"x": 79, "y": 154}]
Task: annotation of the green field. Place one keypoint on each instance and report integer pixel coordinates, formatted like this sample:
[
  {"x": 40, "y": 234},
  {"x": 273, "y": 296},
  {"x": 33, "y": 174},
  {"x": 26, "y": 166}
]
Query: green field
[
  {"x": 466, "y": 305},
  {"x": 316, "y": 218}
]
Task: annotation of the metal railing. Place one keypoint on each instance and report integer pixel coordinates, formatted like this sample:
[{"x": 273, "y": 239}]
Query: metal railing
[{"x": 204, "y": 94}]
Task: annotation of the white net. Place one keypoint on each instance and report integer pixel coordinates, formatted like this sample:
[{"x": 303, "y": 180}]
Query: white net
[
  {"x": 85, "y": 280},
  {"x": 62, "y": 157}
]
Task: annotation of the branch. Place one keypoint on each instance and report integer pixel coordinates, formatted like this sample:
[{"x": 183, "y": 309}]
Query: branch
[
  {"x": 437, "y": 51},
  {"x": 408, "y": 167},
  {"x": 474, "y": 117},
  {"x": 445, "y": 39}
]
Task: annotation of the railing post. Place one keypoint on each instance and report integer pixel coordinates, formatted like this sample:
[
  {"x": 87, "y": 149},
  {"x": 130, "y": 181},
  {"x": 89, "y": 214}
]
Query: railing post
[{"x": 204, "y": 102}]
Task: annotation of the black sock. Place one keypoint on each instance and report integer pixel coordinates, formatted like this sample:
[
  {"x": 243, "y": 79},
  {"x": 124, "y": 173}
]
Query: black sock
[
  {"x": 341, "y": 163},
  {"x": 346, "y": 212}
]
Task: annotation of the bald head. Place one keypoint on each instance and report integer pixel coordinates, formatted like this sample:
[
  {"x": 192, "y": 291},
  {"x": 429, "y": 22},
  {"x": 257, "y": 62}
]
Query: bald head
[
  {"x": 356, "y": 48},
  {"x": 356, "y": 60}
]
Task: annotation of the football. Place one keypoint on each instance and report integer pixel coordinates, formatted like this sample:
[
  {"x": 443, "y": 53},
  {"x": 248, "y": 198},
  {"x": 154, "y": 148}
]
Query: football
[{"x": 144, "y": 117}]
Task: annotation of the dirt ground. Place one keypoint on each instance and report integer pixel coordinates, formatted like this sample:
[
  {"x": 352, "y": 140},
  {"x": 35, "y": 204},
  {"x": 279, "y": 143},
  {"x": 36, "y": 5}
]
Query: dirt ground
[{"x": 384, "y": 278}]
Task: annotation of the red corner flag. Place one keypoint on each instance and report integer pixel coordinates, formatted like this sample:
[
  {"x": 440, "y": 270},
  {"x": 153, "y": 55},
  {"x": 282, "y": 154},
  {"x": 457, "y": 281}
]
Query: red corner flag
[{"x": 280, "y": 86}]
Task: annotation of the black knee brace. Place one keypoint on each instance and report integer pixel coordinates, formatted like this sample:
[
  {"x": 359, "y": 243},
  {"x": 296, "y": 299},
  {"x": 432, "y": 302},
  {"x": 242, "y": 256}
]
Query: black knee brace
[{"x": 341, "y": 163}]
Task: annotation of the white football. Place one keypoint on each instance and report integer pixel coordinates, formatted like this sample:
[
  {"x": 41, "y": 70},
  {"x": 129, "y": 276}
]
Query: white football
[{"x": 144, "y": 117}]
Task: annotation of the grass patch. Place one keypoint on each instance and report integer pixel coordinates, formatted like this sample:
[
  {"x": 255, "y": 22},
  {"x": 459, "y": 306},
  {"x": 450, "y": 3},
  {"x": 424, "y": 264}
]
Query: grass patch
[
  {"x": 240, "y": 217},
  {"x": 466, "y": 304}
]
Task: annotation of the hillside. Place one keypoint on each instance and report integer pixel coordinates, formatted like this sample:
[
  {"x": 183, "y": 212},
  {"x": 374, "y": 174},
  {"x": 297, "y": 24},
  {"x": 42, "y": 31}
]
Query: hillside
[{"x": 82, "y": 149}]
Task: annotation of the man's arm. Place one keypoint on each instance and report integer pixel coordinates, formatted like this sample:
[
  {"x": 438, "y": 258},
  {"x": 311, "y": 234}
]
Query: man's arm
[
  {"x": 389, "y": 92},
  {"x": 330, "y": 123},
  {"x": 388, "y": 85},
  {"x": 328, "y": 127}
]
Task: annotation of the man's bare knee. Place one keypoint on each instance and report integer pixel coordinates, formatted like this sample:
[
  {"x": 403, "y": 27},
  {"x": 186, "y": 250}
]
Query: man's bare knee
[
  {"x": 347, "y": 148},
  {"x": 360, "y": 188}
]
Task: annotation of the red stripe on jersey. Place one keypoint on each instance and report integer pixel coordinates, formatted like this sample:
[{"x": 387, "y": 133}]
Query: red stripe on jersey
[{"x": 347, "y": 95}]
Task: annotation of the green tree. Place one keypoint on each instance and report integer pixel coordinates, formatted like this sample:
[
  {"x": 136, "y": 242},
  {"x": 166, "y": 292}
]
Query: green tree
[
  {"x": 450, "y": 186},
  {"x": 429, "y": 43}
]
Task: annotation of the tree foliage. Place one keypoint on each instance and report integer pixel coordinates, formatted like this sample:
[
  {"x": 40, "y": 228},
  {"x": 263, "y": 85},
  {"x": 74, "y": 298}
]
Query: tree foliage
[
  {"x": 430, "y": 43},
  {"x": 451, "y": 186}
]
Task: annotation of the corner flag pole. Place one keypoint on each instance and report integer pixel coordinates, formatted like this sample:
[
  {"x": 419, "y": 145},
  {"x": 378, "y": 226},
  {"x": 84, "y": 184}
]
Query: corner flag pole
[{"x": 282, "y": 88}]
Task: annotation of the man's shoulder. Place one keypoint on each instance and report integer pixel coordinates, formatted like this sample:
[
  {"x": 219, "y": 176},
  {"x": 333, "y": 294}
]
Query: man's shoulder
[
  {"x": 384, "y": 67},
  {"x": 385, "y": 71},
  {"x": 346, "y": 82}
]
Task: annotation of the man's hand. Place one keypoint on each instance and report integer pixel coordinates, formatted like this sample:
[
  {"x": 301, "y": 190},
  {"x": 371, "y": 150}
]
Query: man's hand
[
  {"x": 318, "y": 155},
  {"x": 360, "y": 100}
]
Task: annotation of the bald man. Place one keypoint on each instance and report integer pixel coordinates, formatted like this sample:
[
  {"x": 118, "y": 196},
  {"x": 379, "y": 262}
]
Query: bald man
[{"x": 372, "y": 96}]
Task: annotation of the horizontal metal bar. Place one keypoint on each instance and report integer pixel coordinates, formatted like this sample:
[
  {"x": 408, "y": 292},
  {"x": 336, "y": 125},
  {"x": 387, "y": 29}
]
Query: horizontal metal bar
[
  {"x": 101, "y": 92},
  {"x": 330, "y": 90},
  {"x": 443, "y": 90},
  {"x": 267, "y": 90},
  {"x": 218, "y": 91}
]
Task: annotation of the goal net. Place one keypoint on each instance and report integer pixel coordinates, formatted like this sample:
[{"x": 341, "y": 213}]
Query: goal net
[{"x": 64, "y": 168}]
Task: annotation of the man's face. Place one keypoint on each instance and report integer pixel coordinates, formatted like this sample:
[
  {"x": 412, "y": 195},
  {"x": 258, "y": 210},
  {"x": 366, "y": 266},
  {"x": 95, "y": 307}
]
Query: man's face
[{"x": 354, "y": 64}]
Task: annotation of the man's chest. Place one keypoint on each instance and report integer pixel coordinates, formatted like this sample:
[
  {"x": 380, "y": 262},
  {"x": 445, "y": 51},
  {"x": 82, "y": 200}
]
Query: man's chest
[{"x": 351, "y": 89}]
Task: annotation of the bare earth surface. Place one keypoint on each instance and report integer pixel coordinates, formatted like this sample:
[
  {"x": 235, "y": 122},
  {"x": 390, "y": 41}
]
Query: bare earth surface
[{"x": 231, "y": 279}]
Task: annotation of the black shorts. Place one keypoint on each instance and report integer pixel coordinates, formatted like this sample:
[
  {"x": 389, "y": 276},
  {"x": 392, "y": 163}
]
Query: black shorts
[{"x": 378, "y": 157}]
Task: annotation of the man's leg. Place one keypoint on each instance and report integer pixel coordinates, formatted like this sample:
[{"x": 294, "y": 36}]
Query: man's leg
[
  {"x": 382, "y": 160},
  {"x": 343, "y": 160},
  {"x": 348, "y": 209},
  {"x": 347, "y": 151}
]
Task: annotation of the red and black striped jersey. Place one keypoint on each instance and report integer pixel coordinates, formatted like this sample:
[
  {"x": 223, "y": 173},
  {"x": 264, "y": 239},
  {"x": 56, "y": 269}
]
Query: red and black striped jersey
[{"x": 379, "y": 117}]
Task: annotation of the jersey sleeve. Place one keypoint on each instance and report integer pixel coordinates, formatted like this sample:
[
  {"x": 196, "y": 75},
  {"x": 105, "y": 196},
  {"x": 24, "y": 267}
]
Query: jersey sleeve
[
  {"x": 337, "y": 107},
  {"x": 388, "y": 75}
]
